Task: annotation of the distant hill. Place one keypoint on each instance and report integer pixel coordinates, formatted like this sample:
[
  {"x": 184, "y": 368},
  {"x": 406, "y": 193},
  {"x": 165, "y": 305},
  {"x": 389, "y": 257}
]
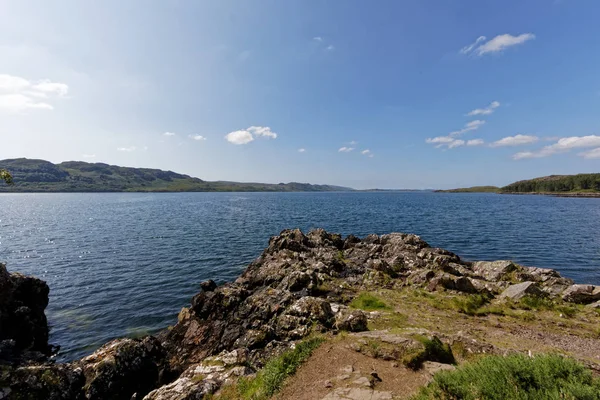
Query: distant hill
[
  {"x": 31, "y": 175},
  {"x": 561, "y": 184},
  {"x": 473, "y": 189}
]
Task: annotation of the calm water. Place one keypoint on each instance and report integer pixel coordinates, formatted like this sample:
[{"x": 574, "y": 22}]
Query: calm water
[{"x": 125, "y": 264}]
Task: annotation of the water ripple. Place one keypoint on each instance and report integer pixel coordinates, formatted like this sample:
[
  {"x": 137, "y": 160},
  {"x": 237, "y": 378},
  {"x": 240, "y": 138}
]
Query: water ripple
[{"x": 120, "y": 264}]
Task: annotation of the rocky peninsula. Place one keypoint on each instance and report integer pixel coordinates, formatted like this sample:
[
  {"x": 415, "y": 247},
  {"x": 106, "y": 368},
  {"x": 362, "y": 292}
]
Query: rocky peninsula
[{"x": 382, "y": 314}]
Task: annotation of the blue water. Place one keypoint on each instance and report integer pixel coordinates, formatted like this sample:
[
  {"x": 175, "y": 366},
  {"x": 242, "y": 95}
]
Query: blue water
[{"x": 125, "y": 264}]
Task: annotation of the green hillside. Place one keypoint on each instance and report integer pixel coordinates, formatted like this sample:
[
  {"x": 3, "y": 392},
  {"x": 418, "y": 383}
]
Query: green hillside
[
  {"x": 31, "y": 175},
  {"x": 581, "y": 183}
]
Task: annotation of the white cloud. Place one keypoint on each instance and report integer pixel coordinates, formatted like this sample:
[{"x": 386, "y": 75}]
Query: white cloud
[
  {"x": 239, "y": 137},
  {"x": 469, "y": 126},
  {"x": 88, "y": 155},
  {"x": 353, "y": 143},
  {"x": 128, "y": 149},
  {"x": 264, "y": 131},
  {"x": 451, "y": 142},
  {"x": 484, "y": 111},
  {"x": 475, "y": 142},
  {"x": 330, "y": 47},
  {"x": 169, "y": 134},
  {"x": 245, "y": 136},
  {"x": 590, "y": 154},
  {"x": 197, "y": 137},
  {"x": 345, "y": 149},
  {"x": 440, "y": 140},
  {"x": 318, "y": 38},
  {"x": 301, "y": 150},
  {"x": 456, "y": 143},
  {"x": 496, "y": 44},
  {"x": 561, "y": 146},
  {"x": 365, "y": 152},
  {"x": 516, "y": 140},
  {"x": 467, "y": 49},
  {"x": 19, "y": 94}
]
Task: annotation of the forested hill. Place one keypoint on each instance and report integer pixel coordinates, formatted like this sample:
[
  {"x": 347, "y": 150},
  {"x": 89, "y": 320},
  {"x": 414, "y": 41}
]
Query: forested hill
[
  {"x": 581, "y": 183},
  {"x": 75, "y": 176}
]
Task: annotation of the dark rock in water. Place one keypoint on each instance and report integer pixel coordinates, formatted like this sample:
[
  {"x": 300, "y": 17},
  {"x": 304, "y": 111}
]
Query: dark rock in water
[
  {"x": 208, "y": 286},
  {"x": 23, "y": 324}
]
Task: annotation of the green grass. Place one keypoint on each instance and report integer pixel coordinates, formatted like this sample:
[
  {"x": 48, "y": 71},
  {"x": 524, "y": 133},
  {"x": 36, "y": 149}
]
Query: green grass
[
  {"x": 516, "y": 377},
  {"x": 471, "y": 304},
  {"x": 269, "y": 380},
  {"x": 433, "y": 350},
  {"x": 369, "y": 302}
]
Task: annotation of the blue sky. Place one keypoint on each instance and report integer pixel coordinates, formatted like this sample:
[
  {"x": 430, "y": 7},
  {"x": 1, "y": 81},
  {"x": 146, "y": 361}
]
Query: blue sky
[{"x": 441, "y": 93}]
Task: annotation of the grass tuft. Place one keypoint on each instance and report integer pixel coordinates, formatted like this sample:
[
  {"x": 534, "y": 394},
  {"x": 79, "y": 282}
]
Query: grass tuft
[
  {"x": 269, "y": 380},
  {"x": 369, "y": 302},
  {"x": 433, "y": 350},
  {"x": 516, "y": 377}
]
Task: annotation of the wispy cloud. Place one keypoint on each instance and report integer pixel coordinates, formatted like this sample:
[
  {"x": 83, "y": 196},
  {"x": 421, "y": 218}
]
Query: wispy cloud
[
  {"x": 127, "y": 149},
  {"x": 475, "y": 142},
  {"x": 19, "y": 94},
  {"x": 345, "y": 149},
  {"x": 484, "y": 111},
  {"x": 247, "y": 135},
  {"x": 497, "y": 44},
  {"x": 563, "y": 145},
  {"x": 318, "y": 39},
  {"x": 301, "y": 150},
  {"x": 451, "y": 142},
  {"x": 330, "y": 47},
  {"x": 197, "y": 137},
  {"x": 366, "y": 151},
  {"x": 469, "y": 48},
  {"x": 595, "y": 153},
  {"x": 169, "y": 134},
  {"x": 469, "y": 126},
  {"x": 516, "y": 140}
]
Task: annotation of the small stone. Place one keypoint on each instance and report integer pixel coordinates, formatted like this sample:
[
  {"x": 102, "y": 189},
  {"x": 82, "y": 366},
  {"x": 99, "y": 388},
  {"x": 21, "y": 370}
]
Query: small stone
[
  {"x": 208, "y": 286},
  {"x": 328, "y": 384},
  {"x": 348, "y": 369}
]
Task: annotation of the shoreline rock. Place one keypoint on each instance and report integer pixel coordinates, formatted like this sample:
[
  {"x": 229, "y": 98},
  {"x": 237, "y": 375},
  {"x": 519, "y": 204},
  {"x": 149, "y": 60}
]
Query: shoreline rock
[{"x": 300, "y": 284}]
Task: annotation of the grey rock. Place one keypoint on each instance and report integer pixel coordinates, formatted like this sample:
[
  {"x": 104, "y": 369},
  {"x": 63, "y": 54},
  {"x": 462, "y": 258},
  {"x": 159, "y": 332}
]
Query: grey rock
[
  {"x": 493, "y": 270},
  {"x": 351, "y": 321},
  {"x": 583, "y": 294},
  {"x": 520, "y": 290}
]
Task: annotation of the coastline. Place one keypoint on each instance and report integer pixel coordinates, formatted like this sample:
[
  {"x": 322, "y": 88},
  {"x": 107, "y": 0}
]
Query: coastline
[{"x": 361, "y": 294}]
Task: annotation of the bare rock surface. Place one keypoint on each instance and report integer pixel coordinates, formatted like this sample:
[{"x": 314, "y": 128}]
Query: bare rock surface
[{"x": 300, "y": 284}]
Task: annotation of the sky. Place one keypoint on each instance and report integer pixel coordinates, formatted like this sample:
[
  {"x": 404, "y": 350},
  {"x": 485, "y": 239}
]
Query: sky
[{"x": 386, "y": 94}]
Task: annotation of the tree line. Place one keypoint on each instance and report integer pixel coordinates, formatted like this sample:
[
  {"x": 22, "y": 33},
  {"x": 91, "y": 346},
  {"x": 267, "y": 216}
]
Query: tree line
[{"x": 567, "y": 183}]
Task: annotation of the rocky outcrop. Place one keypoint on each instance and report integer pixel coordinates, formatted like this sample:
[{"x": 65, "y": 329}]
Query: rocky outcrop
[
  {"x": 23, "y": 324},
  {"x": 302, "y": 283}
]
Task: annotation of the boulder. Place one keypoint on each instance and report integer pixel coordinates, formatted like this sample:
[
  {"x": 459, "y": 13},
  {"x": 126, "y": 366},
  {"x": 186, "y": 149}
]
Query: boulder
[
  {"x": 23, "y": 324},
  {"x": 520, "y": 290},
  {"x": 493, "y": 271},
  {"x": 48, "y": 382},
  {"x": 208, "y": 286},
  {"x": 351, "y": 321},
  {"x": 582, "y": 294},
  {"x": 125, "y": 367}
]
